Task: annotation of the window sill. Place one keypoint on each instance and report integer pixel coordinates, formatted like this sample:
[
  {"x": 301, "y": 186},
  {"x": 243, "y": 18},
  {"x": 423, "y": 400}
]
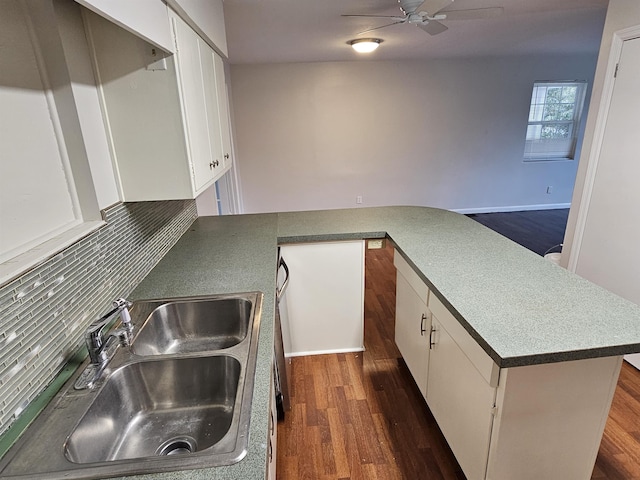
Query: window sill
[
  {"x": 13, "y": 268},
  {"x": 547, "y": 159}
]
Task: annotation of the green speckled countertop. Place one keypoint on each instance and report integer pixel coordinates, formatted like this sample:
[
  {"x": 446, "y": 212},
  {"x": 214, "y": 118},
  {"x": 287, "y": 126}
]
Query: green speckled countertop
[{"x": 520, "y": 308}]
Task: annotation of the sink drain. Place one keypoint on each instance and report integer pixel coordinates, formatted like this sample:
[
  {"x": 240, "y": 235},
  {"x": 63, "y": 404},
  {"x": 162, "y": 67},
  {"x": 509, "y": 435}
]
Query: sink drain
[{"x": 177, "y": 446}]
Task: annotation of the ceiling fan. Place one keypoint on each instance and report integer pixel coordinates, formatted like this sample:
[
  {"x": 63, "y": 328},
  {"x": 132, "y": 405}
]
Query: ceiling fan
[{"x": 424, "y": 14}]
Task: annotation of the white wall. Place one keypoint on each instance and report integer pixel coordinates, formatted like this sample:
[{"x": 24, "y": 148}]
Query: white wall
[
  {"x": 620, "y": 14},
  {"x": 446, "y": 133}
]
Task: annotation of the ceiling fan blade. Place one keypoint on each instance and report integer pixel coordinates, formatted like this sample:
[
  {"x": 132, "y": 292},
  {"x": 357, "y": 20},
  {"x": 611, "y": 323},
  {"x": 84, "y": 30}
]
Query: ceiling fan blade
[
  {"x": 433, "y": 27},
  {"x": 431, "y": 7},
  {"x": 395, "y": 17},
  {"x": 472, "y": 14},
  {"x": 378, "y": 28}
]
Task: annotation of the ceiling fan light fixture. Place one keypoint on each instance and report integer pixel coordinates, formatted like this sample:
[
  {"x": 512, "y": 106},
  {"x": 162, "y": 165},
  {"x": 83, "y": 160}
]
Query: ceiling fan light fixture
[{"x": 365, "y": 45}]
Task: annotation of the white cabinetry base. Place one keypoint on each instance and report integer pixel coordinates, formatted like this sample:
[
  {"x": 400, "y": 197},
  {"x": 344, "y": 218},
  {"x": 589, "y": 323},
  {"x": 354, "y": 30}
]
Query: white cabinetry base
[
  {"x": 550, "y": 419},
  {"x": 324, "y": 301}
]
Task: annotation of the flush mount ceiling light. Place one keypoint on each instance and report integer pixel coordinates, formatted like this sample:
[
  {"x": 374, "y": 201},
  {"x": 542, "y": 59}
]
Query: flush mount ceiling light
[{"x": 365, "y": 45}]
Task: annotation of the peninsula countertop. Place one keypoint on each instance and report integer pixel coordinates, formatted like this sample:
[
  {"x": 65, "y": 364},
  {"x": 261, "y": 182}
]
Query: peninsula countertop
[{"x": 520, "y": 308}]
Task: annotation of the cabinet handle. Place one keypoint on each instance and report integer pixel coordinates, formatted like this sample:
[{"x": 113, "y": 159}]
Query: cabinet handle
[
  {"x": 431, "y": 337},
  {"x": 283, "y": 287},
  {"x": 271, "y": 422},
  {"x": 270, "y": 451},
  {"x": 422, "y": 329},
  {"x": 226, "y": 156}
]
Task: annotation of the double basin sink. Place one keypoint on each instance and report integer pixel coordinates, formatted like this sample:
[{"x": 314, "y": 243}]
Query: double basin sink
[{"x": 178, "y": 398}]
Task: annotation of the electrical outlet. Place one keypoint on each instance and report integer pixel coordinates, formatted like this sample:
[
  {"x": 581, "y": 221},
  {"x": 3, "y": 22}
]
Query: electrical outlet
[
  {"x": 549, "y": 189},
  {"x": 358, "y": 199}
]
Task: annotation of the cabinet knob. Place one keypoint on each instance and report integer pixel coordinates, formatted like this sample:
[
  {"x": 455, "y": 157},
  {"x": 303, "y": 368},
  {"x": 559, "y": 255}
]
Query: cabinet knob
[
  {"x": 226, "y": 156},
  {"x": 214, "y": 164}
]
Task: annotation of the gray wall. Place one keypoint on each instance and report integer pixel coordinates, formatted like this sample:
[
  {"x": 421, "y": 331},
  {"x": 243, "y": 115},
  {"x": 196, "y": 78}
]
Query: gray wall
[{"x": 445, "y": 133}]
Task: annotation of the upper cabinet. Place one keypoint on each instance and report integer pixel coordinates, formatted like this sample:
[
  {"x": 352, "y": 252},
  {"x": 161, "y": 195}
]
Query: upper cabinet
[
  {"x": 163, "y": 112},
  {"x": 207, "y": 18}
]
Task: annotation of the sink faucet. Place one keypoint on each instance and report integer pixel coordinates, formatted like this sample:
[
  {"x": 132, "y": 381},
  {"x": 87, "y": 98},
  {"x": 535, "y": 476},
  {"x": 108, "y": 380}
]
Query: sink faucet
[
  {"x": 94, "y": 336},
  {"x": 99, "y": 347}
]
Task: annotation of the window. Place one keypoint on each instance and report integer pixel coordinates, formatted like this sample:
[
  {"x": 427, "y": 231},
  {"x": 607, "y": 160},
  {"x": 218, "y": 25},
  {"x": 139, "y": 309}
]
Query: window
[{"x": 554, "y": 117}]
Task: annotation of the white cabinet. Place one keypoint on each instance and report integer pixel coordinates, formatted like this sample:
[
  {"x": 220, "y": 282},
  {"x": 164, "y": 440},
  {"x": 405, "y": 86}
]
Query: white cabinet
[
  {"x": 455, "y": 376},
  {"x": 223, "y": 109},
  {"x": 162, "y": 112},
  {"x": 459, "y": 396},
  {"x": 413, "y": 322},
  {"x": 272, "y": 444},
  {"x": 323, "y": 309},
  {"x": 526, "y": 423},
  {"x": 550, "y": 419},
  {"x": 193, "y": 66}
]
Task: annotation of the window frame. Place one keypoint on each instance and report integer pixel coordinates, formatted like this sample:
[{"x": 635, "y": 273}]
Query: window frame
[{"x": 537, "y": 155}]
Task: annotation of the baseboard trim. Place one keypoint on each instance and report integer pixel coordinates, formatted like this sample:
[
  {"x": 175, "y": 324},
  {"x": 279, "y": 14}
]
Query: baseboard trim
[
  {"x": 512, "y": 208},
  {"x": 324, "y": 352}
]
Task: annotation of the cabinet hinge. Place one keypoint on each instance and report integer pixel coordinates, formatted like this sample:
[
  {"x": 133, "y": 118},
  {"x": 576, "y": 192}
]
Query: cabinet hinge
[
  {"x": 615, "y": 74},
  {"x": 494, "y": 410}
]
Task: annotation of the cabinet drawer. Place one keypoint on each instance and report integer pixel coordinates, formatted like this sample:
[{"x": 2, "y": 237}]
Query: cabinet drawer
[
  {"x": 411, "y": 276},
  {"x": 474, "y": 352}
]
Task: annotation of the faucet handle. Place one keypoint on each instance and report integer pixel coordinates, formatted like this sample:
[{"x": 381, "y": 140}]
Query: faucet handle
[{"x": 123, "y": 305}]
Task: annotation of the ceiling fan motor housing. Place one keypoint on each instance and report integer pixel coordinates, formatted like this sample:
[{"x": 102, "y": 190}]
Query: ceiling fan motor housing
[{"x": 409, "y": 6}]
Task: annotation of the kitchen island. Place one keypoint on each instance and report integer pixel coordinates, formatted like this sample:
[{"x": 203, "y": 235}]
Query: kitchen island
[{"x": 520, "y": 309}]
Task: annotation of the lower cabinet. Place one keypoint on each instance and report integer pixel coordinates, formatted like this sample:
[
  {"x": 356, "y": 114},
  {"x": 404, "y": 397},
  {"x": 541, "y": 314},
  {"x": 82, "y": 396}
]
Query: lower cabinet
[
  {"x": 413, "y": 324},
  {"x": 462, "y": 402},
  {"x": 457, "y": 379},
  {"x": 272, "y": 444},
  {"x": 527, "y": 423}
]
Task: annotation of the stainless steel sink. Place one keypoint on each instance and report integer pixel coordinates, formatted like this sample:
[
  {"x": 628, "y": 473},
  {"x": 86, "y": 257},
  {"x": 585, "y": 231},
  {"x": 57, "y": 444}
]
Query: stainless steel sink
[
  {"x": 179, "y": 399},
  {"x": 190, "y": 327},
  {"x": 161, "y": 407}
]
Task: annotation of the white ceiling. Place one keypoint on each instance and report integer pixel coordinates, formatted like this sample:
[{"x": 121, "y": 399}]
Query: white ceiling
[{"x": 274, "y": 31}]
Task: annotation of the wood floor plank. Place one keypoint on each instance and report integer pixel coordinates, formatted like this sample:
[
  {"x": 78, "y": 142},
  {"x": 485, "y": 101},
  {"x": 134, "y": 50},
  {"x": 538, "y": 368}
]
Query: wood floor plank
[{"x": 339, "y": 452}]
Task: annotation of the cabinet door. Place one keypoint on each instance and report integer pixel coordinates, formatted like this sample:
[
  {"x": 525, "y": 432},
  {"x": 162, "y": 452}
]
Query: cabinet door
[
  {"x": 272, "y": 446},
  {"x": 223, "y": 106},
  {"x": 207, "y": 58},
  {"x": 194, "y": 101},
  {"x": 412, "y": 330},
  {"x": 461, "y": 401}
]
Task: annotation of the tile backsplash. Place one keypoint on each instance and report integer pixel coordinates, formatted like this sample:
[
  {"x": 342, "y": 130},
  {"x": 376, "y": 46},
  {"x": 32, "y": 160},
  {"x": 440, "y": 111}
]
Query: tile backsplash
[{"x": 44, "y": 312}]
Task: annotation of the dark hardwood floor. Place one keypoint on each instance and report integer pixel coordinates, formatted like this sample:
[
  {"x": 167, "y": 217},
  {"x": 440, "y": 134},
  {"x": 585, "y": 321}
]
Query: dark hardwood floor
[
  {"x": 537, "y": 230},
  {"x": 361, "y": 416}
]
